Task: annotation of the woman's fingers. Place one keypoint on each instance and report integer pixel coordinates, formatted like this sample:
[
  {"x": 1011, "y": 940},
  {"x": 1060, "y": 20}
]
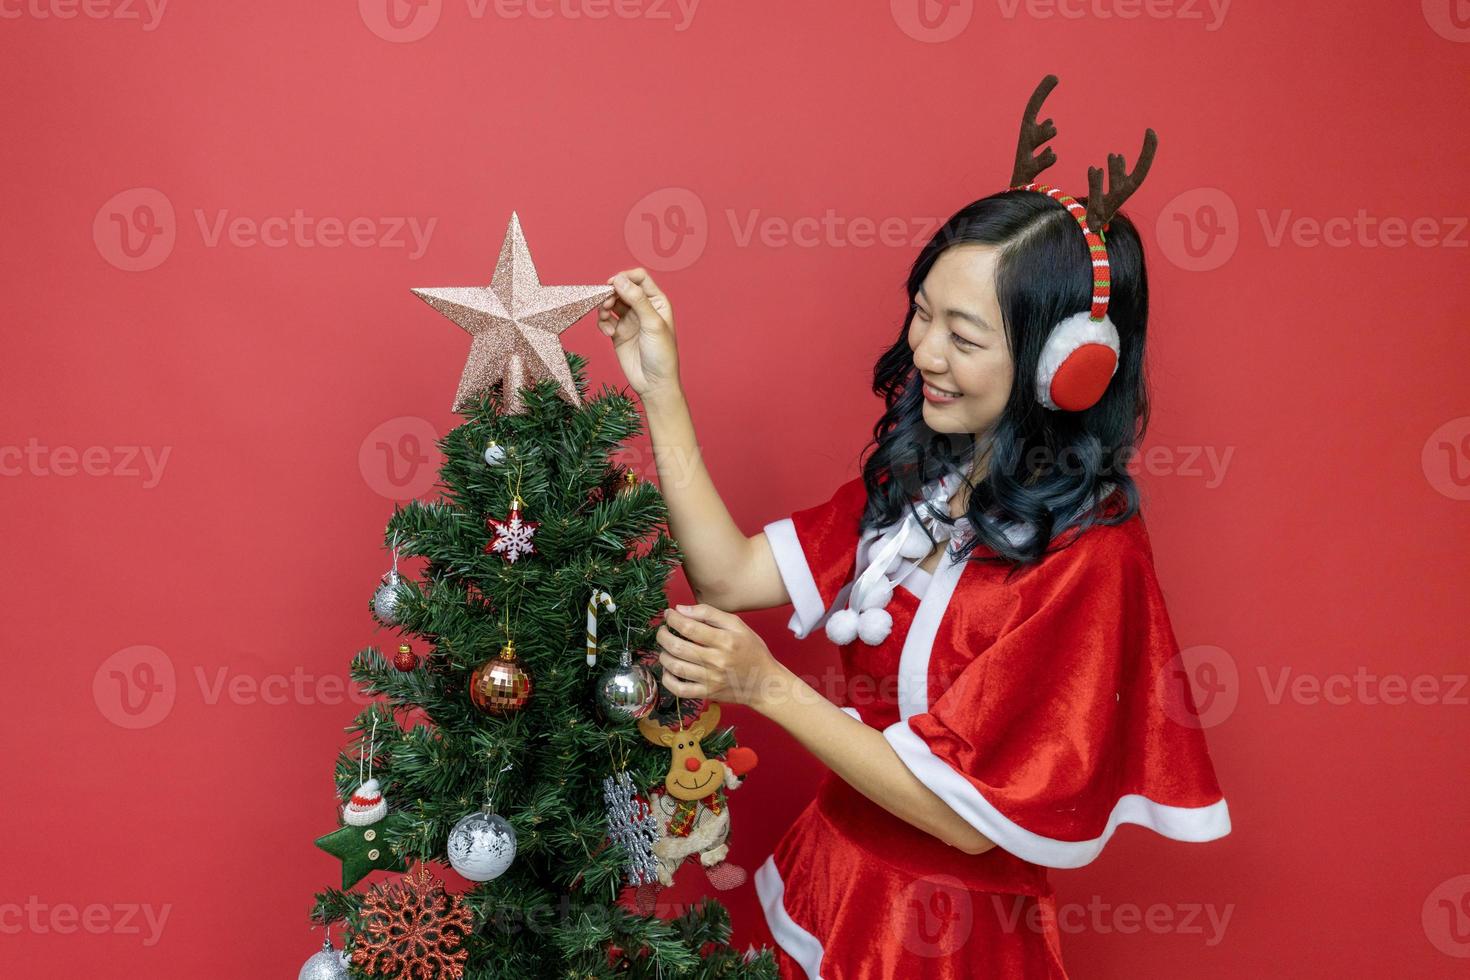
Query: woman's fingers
[
  {"x": 685, "y": 689},
  {"x": 642, "y": 278},
  {"x": 633, "y": 294},
  {"x": 683, "y": 668},
  {"x": 639, "y": 321},
  {"x": 682, "y": 677},
  {"x": 703, "y": 613},
  {"x": 699, "y": 631},
  {"x": 678, "y": 646}
]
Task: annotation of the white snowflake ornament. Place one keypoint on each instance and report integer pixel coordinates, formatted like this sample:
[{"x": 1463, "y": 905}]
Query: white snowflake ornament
[{"x": 512, "y": 536}]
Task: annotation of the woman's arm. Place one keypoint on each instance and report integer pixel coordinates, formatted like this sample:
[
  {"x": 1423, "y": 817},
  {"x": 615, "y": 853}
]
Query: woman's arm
[
  {"x": 724, "y": 567},
  {"x": 862, "y": 757},
  {"x": 722, "y": 564},
  {"x": 717, "y": 656}
]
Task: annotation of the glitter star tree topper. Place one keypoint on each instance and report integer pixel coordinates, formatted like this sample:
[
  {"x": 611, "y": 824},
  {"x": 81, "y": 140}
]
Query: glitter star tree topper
[{"x": 516, "y": 324}]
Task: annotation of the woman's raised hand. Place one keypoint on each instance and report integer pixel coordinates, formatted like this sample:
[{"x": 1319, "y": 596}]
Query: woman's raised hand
[{"x": 640, "y": 321}]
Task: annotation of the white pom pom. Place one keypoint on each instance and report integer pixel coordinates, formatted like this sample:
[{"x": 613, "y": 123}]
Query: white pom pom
[
  {"x": 371, "y": 788},
  {"x": 878, "y": 597},
  {"x": 842, "y": 627},
  {"x": 874, "y": 625},
  {"x": 916, "y": 545}
]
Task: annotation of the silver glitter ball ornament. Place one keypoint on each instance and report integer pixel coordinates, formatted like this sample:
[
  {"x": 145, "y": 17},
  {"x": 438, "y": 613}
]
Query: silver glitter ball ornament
[
  {"x": 482, "y": 845},
  {"x": 628, "y": 691},
  {"x": 329, "y": 964},
  {"x": 494, "y": 452},
  {"x": 385, "y": 600}
]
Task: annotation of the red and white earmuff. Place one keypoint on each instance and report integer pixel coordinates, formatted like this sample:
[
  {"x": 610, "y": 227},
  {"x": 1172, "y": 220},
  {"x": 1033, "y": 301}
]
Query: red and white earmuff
[{"x": 1081, "y": 353}]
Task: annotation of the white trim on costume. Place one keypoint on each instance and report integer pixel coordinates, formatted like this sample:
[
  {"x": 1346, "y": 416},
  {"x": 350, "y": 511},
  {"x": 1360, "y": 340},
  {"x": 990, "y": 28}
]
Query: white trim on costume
[
  {"x": 918, "y": 645},
  {"x": 1179, "y": 823},
  {"x": 1194, "y": 824},
  {"x": 797, "y": 575},
  {"x": 799, "y": 944}
]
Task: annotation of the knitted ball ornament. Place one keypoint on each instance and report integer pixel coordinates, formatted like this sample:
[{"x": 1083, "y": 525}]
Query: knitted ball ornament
[
  {"x": 1080, "y": 355},
  {"x": 367, "y": 805}
]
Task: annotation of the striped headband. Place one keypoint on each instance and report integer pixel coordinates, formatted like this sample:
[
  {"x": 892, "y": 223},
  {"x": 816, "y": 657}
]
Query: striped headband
[
  {"x": 1101, "y": 207},
  {"x": 1101, "y": 271}
]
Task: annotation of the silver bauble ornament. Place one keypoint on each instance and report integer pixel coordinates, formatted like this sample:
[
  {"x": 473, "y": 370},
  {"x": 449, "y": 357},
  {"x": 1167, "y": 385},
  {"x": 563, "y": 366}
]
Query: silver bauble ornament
[
  {"x": 628, "y": 691},
  {"x": 494, "y": 452},
  {"x": 385, "y": 600},
  {"x": 329, "y": 964},
  {"x": 482, "y": 845}
]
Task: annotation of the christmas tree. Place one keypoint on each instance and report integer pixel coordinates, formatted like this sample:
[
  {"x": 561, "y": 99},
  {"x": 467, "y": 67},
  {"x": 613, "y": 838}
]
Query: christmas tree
[{"x": 495, "y": 751}]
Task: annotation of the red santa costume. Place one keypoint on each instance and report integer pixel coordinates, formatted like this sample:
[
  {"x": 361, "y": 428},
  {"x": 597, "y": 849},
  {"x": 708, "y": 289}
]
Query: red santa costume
[{"x": 1033, "y": 707}]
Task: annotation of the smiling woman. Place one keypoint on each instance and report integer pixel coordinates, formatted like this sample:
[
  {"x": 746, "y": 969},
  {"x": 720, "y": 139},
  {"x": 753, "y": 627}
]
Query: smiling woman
[
  {"x": 985, "y": 294},
  {"x": 958, "y": 346},
  {"x": 1008, "y": 710}
]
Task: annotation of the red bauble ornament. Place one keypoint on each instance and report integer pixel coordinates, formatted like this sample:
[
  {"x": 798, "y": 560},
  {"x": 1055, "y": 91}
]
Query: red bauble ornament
[
  {"x": 405, "y": 659},
  {"x": 501, "y": 686}
]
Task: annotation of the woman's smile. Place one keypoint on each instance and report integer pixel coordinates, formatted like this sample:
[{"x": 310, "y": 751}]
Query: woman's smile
[{"x": 940, "y": 396}]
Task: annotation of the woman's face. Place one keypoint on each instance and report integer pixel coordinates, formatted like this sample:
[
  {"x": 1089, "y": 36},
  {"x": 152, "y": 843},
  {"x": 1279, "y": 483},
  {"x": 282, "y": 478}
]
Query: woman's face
[{"x": 959, "y": 343}]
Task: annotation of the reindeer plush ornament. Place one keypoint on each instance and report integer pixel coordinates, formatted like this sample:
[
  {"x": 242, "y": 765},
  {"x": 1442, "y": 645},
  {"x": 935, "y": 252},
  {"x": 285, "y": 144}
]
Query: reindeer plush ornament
[{"x": 693, "y": 815}]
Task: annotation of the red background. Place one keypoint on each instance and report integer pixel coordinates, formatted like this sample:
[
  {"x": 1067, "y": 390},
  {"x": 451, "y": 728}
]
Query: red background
[{"x": 1332, "y": 545}]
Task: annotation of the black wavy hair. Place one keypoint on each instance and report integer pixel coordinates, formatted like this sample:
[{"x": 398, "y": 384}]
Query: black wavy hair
[{"x": 1052, "y": 473}]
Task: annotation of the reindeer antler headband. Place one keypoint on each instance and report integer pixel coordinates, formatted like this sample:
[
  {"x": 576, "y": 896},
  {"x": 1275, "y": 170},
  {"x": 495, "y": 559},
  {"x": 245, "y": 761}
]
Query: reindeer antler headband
[
  {"x": 1122, "y": 183},
  {"x": 1079, "y": 358}
]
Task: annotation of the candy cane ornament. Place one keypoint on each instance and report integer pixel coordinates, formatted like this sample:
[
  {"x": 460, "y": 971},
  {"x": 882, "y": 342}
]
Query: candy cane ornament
[{"x": 598, "y": 597}]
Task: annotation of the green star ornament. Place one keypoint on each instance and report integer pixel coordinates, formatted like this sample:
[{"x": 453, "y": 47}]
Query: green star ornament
[{"x": 364, "y": 849}]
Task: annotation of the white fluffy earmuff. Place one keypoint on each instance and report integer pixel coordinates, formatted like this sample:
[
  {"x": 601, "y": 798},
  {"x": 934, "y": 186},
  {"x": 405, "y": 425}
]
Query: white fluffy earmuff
[{"x": 1078, "y": 360}]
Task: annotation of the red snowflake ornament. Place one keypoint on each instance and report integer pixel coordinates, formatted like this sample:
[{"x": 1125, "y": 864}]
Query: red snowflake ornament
[
  {"x": 512, "y": 536},
  {"x": 413, "y": 929}
]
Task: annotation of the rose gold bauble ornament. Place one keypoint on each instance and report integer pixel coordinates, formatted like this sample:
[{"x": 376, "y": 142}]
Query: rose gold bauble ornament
[{"x": 501, "y": 686}]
